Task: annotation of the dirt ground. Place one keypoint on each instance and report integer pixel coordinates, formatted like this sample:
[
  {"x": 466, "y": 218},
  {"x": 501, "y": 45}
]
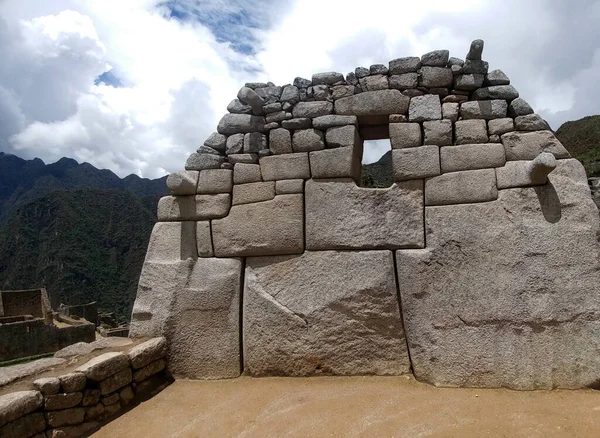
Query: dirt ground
[{"x": 355, "y": 407}]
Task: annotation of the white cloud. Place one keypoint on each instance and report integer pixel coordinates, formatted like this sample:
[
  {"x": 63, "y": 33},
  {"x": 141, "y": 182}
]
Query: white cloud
[{"x": 178, "y": 76}]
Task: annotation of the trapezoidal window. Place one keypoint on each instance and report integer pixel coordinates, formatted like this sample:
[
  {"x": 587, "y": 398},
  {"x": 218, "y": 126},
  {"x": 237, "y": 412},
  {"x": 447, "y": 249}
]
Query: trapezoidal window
[{"x": 376, "y": 170}]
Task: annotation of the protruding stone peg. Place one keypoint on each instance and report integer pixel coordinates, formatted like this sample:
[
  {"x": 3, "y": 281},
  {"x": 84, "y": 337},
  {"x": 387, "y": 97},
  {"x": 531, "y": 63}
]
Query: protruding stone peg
[
  {"x": 475, "y": 51},
  {"x": 250, "y": 97},
  {"x": 541, "y": 166}
]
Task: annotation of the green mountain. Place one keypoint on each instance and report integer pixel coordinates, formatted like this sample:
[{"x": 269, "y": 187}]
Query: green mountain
[
  {"x": 82, "y": 245},
  {"x": 582, "y": 139},
  {"x": 378, "y": 174}
]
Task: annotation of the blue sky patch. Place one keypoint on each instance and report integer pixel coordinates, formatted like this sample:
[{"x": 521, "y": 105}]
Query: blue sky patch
[{"x": 108, "y": 78}]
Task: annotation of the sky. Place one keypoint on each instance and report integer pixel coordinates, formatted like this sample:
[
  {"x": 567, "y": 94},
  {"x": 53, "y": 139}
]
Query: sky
[{"x": 135, "y": 86}]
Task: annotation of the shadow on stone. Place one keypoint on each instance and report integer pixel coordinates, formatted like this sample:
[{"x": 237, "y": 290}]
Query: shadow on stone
[{"x": 549, "y": 202}]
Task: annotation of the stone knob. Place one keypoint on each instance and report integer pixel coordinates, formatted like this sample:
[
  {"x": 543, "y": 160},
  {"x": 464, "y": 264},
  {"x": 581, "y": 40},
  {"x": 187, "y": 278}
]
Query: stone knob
[{"x": 541, "y": 166}]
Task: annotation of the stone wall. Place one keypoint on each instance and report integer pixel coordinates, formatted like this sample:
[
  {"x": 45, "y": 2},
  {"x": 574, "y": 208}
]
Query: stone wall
[
  {"x": 478, "y": 267},
  {"x": 32, "y": 337},
  {"x": 75, "y": 404},
  {"x": 32, "y": 302}
]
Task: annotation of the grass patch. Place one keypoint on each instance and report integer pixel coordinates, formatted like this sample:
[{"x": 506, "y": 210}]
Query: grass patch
[{"x": 22, "y": 360}]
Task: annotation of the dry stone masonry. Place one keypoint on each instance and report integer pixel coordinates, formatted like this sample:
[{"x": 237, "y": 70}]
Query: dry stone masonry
[{"x": 478, "y": 267}]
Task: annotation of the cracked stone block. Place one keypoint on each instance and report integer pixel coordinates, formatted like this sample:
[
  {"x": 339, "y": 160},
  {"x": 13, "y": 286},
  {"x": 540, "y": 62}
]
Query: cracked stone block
[
  {"x": 203, "y": 330},
  {"x": 494, "y": 302},
  {"x": 461, "y": 187},
  {"x": 472, "y": 156},
  {"x": 340, "y": 215},
  {"x": 323, "y": 313},
  {"x": 528, "y": 145}
]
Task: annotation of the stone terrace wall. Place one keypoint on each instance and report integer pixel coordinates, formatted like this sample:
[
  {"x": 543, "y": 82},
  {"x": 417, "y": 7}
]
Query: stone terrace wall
[
  {"x": 32, "y": 302},
  {"x": 75, "y": 404},
  {"x": 477, "y": 267}
]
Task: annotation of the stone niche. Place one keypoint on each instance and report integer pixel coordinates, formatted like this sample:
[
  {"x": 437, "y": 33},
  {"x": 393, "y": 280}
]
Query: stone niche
[{"x": 479, "y": 266}]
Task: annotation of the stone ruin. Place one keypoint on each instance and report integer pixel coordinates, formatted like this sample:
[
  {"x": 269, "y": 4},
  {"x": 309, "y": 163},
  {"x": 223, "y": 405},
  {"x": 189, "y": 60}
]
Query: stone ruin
[{"x": 478, "y": 267}]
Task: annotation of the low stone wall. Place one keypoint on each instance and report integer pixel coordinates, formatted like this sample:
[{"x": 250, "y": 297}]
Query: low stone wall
[
  {"x": 75, "y": 404},
  {"x": 32, "y": 337}
]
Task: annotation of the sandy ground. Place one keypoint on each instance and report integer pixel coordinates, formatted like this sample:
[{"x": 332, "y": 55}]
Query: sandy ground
[{"x": 355, "y": 407}]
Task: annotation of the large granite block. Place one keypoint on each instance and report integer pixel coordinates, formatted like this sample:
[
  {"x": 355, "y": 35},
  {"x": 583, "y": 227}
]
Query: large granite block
[
  {"x": 341, "y": 162},
  {"x": 340, "y": 215},
  {"x": 472, "y": 156},
  {"x": 323, "y": 313},
  {"x": 416, "y": 163},
  {"x": 262, "y": 228},
  {"x": 505, "y": 295},
  {"x": 528, "y": 145},
  {"x": 286, "y": 166},
  {"x": 461, "y": 187},
  {"x": 373, "y": 103},
  {"x": 203, "y": 328}
]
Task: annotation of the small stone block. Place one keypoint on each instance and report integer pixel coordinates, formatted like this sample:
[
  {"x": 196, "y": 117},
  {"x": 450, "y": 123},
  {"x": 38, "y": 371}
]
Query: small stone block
[
  {"x": 405, "y": 135},
  {"x": 416, "y": 163},
  {"x": 213, "y": 181},
  {"x": 288, "y": 166},
  {"x": 253, "y": 192},
  {"x": 289, "y": 186},
  {"x": 461, "y": 187}
]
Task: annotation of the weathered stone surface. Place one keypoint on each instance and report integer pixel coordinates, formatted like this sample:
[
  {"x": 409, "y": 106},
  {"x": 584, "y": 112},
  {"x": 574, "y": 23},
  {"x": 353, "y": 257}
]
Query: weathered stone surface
[
  {"x": 312, "y": 109},
  {"x": 289, "y": 186},
  {"x": 47, "y": 385},
  {"x": 373, "y": 103},
  {"x": 327, "y": 78},
  {"x": 26, "y": 426},
  {"x": 291, "y": 327},
  {"x": 341, "y": 162},
  {"x": 248, "y": 96},
  {"x": 254, "y": 142},
  {"x": 404, "y": 81},
  {"x": 340, "y": 91},
  {"x": 190, "y": 208},
  {"x": 288, "y": 166},
  {"x": 203, "y": 333},
  {"x": 506, "y": 92},
  {"x": 450, "y": 111},
  {"x": 62, "y": 401},
  {"x": 237, "y": 107},
  {"x": 476, "y": 50},
  {"x": 270, "y": 93},
  {"x": 72, "y": 382},
  {"x": 541, "y": 333},
  {"x": 497, "y": 77},
  {"x": 397, "y": 118},
  {"x": 300, "y": 123},
  {"x": 234, "y": 144},
  {"x": 203, "y": 149},
  {"x": 488, "y": 109},
  {"x": 332, "y": 120},
  {"x": 90, "y": 397},
  {"x": 246, "y": 173},
  {"x": 306, "y": 140},
  {"x": 472, "y": 156},
  {"x": 374, "y": 82},
  {"x": 18, "y": 404},
  {"x": 530, "y": 122},
  {"x": 240, "y": 123},
  {"x": 404, "y": 65},
  {"x": 126, "y": 395},
  {"x": 158, "y": 282},
  {"x": 103, "y": 366},
  {"x": 213, "y": 181},
  {"x": 183, "y": 183},
  {"x": 519, "y": 107},
  {"x": 169, "y": 241},
  {"x": 342, "y": 136},
  {"x": 198, "y": 161},
  {"x": 528, "y": 145},
  {"x": 280, "y": 141},
  {"x": 16, "y": 372},
  {"x": 290, "y": 94},
  {"x": 149, "y": 370},
  {"x": 461, "y": 187},
  {"x": 270, "y": 227},
  {"x": 243, "y": 158},
  {"x": 203, "y": 239},
  {"x": 272, "y": 107},
  {"x": 436, "y": 77},
  {"x": 276, "y": 117},
  {"x": 412, "y": 92},
  {"x": 73, "y": 431},
  {"x": 436, "y": 58},
  {"x": 471, "y": 131},
  {"x": 253, "y": 192},
  {"x": 67, "y": 417},
  {"x": 405, "y": 135},
  {"x": 501, "y": 126},
  {"x": 378, "y": 69},
  {"x": 116, "y": 381},
  {"x": 526, "y": 173},
  {"x": 423, "y": 108},
  {"x": 340, "y": 215},
  {"x": 438, "y": 132},
  {"x": 468, "y": 82},
  {"x": 474, "y": 66},
  {"x": 415, "y": 163},
  {"x": 216, "y": 141}
]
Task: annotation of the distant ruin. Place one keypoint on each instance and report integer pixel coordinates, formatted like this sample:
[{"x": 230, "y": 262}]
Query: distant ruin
[
  {"x": 29, "y": 327},
  {"x": 478, "y": 267}
]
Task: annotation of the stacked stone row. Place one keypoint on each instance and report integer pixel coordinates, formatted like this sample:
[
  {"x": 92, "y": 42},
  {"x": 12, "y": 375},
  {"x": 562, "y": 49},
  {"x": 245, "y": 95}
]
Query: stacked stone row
[{"x": 74, "y": 404}]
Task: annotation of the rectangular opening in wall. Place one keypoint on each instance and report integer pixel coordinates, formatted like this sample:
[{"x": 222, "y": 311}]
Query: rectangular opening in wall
[{"x": 376, "y": 162}]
